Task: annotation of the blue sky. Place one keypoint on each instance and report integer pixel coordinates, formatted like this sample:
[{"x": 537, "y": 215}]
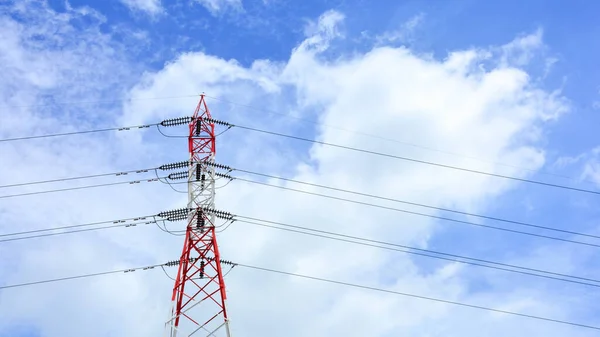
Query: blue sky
[
  {"x": 513, "y": 85},
  {"x": 271, "y": 29}
]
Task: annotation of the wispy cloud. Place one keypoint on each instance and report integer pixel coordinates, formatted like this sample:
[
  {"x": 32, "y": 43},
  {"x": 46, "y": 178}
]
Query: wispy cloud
[
  {"x": 151, "y": 7},
  {"x": 521, "y": 50},
  {"x": 404, "y": 34},
  {"x": 586, "y": 164},
  {"x": 218, "y": 7}
]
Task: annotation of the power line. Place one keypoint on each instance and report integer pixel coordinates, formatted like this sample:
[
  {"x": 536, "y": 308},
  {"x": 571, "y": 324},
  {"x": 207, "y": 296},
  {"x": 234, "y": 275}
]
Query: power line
[
  {"x": 420, "y": 214},
  {"x": 52, "y": 234},
  {"x": 422, "y": 252},
  {"x": 79, "y": 188},
  {"x": 421, "y": 205},
  {"x": 323, "y": 143},
  {"x": 370, "y": 135},
  {"x": 126, "y": 222},
  {"x": 77, "y": 231},
  {"x": 417, "y": 160},
  {"x": 18, "y": 285},
  {"x": 340, "y": 237},
  {"x": 98, "y": 102},
  {"x": 320, "y": 279},
  {"x": 353, "y": 285},
  {"x": 124, "y": 128},
  {"x": 168, "y": 136},
  {"x": 320, "y": 186},
  {"x": 77, "y": 226},
  {"x": 293, "y": 117},
  {"x": 120, "y": 173}
]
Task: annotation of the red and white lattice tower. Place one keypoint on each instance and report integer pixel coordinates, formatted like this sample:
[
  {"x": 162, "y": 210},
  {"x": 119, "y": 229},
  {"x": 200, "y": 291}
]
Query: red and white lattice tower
[{"x": 198, "y": 302}]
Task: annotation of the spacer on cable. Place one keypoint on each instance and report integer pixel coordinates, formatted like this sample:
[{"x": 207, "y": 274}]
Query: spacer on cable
[{"x": 176, "y": 121}]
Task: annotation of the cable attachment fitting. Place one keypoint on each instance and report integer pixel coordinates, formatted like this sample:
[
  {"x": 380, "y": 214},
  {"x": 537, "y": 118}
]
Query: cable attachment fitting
[
  {"x": 176, "y": 121},
  {"x": 228, "y": 263},
  {"x": 178, "y": 262},
  {"x": 172, "y": 263},
  {"x": 209, "y": 259},
  {"x": 178, "y": 175},
  {"x": 200, "y": 221},
  {"x": 172, "y": 166},
  {"x": 175, "y": 215},
  {"x": 222, "y": 175},
  {"x": 199, "y": 174},
  {"x": 216, "y": 121},
  {"x": 219, "y": 214},
  {"x": 219, "y": 166}
]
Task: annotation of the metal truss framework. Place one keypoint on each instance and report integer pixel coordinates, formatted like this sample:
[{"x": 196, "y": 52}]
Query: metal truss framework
[{"x": 198, "y": 301}]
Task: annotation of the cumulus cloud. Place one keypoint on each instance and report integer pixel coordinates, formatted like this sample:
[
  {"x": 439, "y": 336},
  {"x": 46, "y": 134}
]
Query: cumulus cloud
[
  {"x": 53, "y": 66},
  {"x": 495, "y": 113}
]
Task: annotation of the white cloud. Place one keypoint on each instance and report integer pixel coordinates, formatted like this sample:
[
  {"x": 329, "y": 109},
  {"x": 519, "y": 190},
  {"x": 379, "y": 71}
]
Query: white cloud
[
  {"x": 521, "y": 50},
  {"x": 47, "y": 61},
  {"x": 587, "y": 163},
  {"x": 404, "y": 34},
  {"x": 391, "y": 91},
  {"x": 493, "y": 113},
  {"x": 217, "y": 7},
  {"x": 152, "y": 7}
]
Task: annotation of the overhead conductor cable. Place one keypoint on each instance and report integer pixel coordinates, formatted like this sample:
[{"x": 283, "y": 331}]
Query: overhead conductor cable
[
  {"x": 382, "y": 154},
  {"x": 319, "y": 279}
]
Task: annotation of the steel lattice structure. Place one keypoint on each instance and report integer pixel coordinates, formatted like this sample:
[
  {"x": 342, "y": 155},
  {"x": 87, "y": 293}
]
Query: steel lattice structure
[{"x": 198, "y": 301}]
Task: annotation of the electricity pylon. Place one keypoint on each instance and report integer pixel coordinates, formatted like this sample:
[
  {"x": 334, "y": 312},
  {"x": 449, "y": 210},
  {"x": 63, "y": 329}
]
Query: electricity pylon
[{"x": 198, "y": 301}]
